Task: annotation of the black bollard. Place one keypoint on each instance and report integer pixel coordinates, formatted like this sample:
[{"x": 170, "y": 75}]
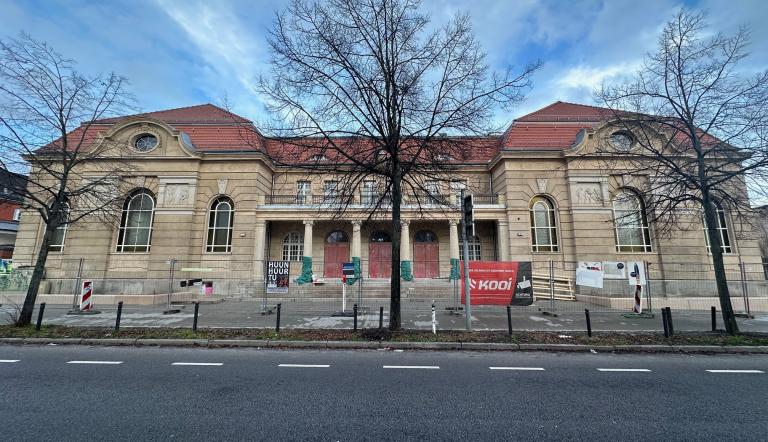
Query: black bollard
[
  {"x": 277, "y": 322},
  {"x": 194, "y": 320},
  {"x": 669, "y": 322},
  {"x": 119, "y": 315},
  {"x": 381, "y": 317},
  {"x": 509, "y": 319},
  {"x": 354, "y": 313},
  {"x": 665, "y": 322},
  {"x": 589, "y": 322},
  {"x": 714, "y": 319},
  {"x": 40, "y": 316}
]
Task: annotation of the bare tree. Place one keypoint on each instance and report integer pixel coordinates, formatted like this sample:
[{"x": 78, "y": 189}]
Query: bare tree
[
  {"x": 699, "y": 129},
  {"x": 73, "y": 174},
  {"x": 366, "y": 89}
]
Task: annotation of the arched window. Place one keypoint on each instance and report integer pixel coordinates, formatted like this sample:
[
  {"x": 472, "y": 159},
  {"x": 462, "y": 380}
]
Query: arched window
[
  {"x": 722, "y": 228},
  {"x": 57, "y": 242},
  {"x": 293, "y": 246},
  {"x": 425, "y": 236},
  {"x": 543, "y": 225},
  {"x": 380, "y": 236},
  {"x": 220, "y": 222},
  {"x": 473, "y": 245},
  {"x": 136, "y": 223},
  {"x": 632, "y": 232},
  {"x": 337, "y": 236}
]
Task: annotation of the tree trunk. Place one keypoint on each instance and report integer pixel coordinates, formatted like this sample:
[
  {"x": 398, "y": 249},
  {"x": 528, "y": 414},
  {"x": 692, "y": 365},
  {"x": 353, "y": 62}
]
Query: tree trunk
[
  {"x": 394, "y": 286},
  {"x": 716, "y": 248},
  {"x": 25, "y": 318}
]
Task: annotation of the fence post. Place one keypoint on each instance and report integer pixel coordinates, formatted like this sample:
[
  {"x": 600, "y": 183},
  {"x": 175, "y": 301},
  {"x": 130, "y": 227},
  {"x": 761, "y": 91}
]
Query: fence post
[
  {"x": 669, "y": 321},
  {"x": 714, "y": 319},
  {"x": 40, "y": 316},
  {"x": 119, "y": 315},
  {"x": 381, "y": 317},
  {"x": 589, "y": 322},
  {"x": 552, "y": 285},
  {"x": 509, "y": 319},
  {"x": 77, "y": 284},
  {"x": 194, "y": 321},
  {"x": 665, "y": 322},
  {"x": 354, "y": 313},
  {"x": 277, "y": 322}
]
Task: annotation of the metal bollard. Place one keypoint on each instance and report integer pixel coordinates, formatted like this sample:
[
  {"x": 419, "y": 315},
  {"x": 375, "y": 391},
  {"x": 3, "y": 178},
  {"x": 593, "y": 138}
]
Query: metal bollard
[
  {"x": 669, "y": 322},
  {"x": 665, "y": 322},
  {"x": 714, "y": 319},
  {"x": 119, "y": 315},
  {"x": 194, "y": 320},
  {"x": 354, "y": 313},
  {"x": 509, "y": 320},
  {"x": 277, "y": 322},
  {"x": 589, "y": 322},
  {"x": 381, "y": 317},
  {"x": 40, "y": 316}
]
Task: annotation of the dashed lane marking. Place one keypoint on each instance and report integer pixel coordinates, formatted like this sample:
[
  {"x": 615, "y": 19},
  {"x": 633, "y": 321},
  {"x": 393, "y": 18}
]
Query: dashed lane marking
[
  {"x": 96, "y": 362},
  {"x": 423, "y": 367},
  {"x": 641, "y": 370},
  {"x": 737, "y": 371},
  {"x": 518, "y": 368},
  {"x": 304, "y": 365},
  {"x": 8, "y": 361},
  {"x": 201, "y": 364}
]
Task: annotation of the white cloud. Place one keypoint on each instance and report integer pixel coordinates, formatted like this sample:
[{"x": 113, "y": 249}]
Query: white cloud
[{"x": 589, "y": 77}]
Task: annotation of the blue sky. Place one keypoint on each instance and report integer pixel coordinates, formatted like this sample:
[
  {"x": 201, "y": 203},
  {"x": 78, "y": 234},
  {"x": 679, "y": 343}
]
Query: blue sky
[{"x": 179, "y": 53}]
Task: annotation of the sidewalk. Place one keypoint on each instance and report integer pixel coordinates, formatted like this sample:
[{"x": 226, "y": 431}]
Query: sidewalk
[{"x": 416, "y": 315}]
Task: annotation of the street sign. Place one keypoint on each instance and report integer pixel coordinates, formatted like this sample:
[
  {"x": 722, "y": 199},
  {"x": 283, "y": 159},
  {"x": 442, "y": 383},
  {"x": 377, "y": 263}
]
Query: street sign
[
  {"x": 86, "y": 291},
  {"x": 348, "y": 269}
]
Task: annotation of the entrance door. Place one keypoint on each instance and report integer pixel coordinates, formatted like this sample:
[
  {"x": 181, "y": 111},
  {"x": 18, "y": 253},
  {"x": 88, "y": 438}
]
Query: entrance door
[
  {"x": 380, "y": 255},
  {"x": 335, "y": 254},
  {"x": 426, "y": 251}
]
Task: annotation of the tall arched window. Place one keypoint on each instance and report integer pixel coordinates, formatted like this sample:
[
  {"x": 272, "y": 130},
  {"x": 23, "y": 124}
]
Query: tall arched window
[
  {"x": 722, "y": 228},
  {"x": 473, "y": 244},
  {"x": 220, "y": 222},
  {"x": 136, "y": 223},
  {"x": 543, "y": 225},
  {"x": 57, "y": 242},
  {"x": 293, "y": 246},
  {"x": 631, "y": 223}
]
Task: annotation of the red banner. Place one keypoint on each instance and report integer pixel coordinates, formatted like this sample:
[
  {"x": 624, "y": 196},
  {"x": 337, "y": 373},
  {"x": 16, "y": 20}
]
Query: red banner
[{"x": 498, "y": 283}]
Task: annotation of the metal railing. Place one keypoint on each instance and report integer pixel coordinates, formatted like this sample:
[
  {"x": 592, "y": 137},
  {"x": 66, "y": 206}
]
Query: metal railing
[{"x": 371, "y": 199}]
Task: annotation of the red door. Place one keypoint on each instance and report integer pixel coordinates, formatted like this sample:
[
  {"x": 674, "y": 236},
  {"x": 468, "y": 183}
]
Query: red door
[
  {"x": 335, "y": 255},
  {"x": 380, "y": 260},
  {"x": 425, "y": 260}
]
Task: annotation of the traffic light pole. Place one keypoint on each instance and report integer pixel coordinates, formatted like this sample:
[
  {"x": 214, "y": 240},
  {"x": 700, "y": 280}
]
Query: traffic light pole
[{"x": 465, "y": 247}]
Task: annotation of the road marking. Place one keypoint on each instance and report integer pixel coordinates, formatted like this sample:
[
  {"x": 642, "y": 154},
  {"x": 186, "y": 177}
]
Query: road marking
[
  {"x": 96, "y": 362},
  {"x": 423, "y": 367},
  {"x": 202, "y": 364},
  {"x": 8, "y": 361},
  {"x": 736, "y": 371},
  {"x": 643, "y": 370},
  {"x": 518, "y": 368},
  {"x": 304, "y": 365}
]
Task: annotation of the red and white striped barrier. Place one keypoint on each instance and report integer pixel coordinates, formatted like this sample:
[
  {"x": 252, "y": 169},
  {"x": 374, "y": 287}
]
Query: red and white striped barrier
[{"x": 85, "y": 296}]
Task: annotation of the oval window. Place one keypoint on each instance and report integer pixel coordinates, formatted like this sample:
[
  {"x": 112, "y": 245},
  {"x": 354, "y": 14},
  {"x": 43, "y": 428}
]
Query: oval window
[{"x": 145, "y": 143}]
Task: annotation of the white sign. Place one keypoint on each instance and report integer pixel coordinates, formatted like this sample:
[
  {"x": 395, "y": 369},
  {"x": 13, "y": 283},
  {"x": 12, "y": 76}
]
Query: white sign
[
  {"x": 636, "y": 273},
  {"x": 614, "y": 270},
  {"x": 590, "y": 274}
]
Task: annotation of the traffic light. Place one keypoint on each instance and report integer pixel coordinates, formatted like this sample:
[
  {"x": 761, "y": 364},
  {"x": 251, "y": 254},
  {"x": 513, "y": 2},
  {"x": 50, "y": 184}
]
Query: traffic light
[{"x": 468, "y": 216}]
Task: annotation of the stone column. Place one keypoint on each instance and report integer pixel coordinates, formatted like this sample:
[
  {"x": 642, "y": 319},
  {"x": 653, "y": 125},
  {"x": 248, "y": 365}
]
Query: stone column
[
  {"x": 306, "y": 259},
  {"x": 259, "y": 242},
  {"x": 503, "y": 234},
  {"x": 454, "y": 248},
  {"x": 405, "y": 251}
]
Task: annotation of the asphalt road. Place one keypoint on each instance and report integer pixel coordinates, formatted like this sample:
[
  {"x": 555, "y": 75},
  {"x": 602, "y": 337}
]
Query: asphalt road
[{"x": 250, "y": 394}]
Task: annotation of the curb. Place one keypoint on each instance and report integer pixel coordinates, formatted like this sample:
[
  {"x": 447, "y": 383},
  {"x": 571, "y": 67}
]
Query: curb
[{"x": 376, "y": 345}]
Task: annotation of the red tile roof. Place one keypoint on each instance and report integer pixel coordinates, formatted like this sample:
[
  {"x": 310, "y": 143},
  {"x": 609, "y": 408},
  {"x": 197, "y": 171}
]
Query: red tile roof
[
  {"x": 199, "y": 114},
  {"x": 554, "y": 127}
]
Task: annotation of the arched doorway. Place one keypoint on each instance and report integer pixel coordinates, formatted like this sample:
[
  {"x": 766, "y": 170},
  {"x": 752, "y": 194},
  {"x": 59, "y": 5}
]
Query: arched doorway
[
  {"x": 380, "y": 255},
  {"x": 426, "y": 251},
  {"x": 336, "y": 253}
]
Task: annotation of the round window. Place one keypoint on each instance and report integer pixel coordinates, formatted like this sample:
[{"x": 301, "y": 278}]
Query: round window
[
  {"x": 145, "y": 143},
  {"x": 622, "y": 141}
]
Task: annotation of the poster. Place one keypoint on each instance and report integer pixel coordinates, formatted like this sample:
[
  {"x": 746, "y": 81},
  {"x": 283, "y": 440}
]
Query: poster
[
  {"x": 636, "y": 273},
  {"x": 614, "y": 270},
  {"x": 590, "y": 274},
  {"x": 6, "y": 266},
  {"x": 498, "y": 283},
  {"x": 278, "y": 277}
]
